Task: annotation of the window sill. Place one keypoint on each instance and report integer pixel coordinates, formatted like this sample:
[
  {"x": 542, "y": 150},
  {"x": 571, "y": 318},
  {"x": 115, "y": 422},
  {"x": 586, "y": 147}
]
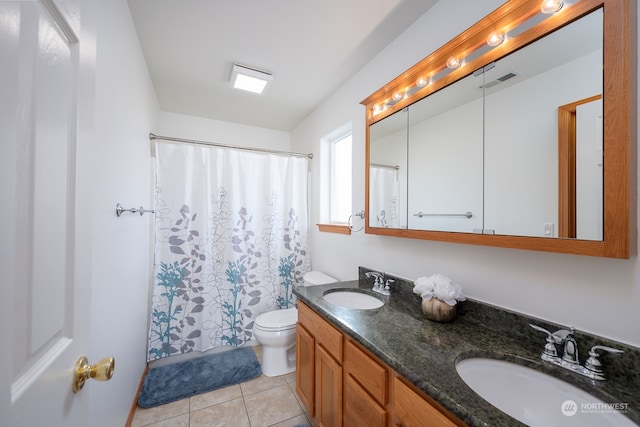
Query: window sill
[{"x": 334, "y": 228}]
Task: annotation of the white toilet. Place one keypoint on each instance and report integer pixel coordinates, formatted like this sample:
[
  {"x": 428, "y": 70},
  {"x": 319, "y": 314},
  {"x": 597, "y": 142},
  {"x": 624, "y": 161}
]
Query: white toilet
[{"x": 276, "y": 331}]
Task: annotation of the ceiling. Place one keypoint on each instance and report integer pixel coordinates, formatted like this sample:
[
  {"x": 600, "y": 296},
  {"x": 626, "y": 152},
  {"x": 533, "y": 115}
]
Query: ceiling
[{"x": 310, "y": 47}]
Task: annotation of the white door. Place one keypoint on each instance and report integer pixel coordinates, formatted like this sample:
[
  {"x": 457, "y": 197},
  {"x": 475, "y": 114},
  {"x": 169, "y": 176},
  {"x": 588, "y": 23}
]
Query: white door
[
  {"x": 45, "y": 281},
  {"x": 589, "y": 171}
]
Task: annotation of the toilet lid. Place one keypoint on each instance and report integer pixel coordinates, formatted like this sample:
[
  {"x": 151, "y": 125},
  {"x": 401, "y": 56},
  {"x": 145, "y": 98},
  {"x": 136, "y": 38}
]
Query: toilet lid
[
  {"x": 278, "y": 319},
  {"x": 317, "y": 278}
]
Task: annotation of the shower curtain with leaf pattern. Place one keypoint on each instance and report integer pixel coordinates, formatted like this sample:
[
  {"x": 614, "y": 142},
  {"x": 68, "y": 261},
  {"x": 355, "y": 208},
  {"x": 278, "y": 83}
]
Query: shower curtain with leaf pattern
[
  {"x": 383, "y": 190},
  {"x": 230, "y": 243}
]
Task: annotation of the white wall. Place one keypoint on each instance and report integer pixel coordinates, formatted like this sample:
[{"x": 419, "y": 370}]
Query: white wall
[
  {"x": 202, "y": 129},
  {"x": 126, "y": 110},
  {"x": 597, "y": 295}
]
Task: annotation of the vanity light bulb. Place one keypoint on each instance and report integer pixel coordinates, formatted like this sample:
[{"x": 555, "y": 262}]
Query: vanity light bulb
[
  {"x": 421, "y": 82},
  {"x": 496, "y": 38},
  {"x": 453, "y": 63},
  {"x": 551, "y": 6},
  {"x": 397, "y": 96}
]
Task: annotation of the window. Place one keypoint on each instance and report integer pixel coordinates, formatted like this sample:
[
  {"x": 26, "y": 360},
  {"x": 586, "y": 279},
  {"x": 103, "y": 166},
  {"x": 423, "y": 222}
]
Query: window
[{"x": 340, "y": 189}]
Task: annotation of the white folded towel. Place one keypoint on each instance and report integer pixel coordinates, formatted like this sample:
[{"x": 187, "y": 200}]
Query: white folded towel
[{"x": 439, "y": 286}]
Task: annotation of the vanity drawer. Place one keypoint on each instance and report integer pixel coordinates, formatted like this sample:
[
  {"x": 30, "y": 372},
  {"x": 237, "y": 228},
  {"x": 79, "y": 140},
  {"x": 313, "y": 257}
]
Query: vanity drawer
[
  {"x": 410, "y": 409},
  {"x": 370, "y": 374},
  {"x": 360, "y": 409},
  {"x": 326, "y": 335}
]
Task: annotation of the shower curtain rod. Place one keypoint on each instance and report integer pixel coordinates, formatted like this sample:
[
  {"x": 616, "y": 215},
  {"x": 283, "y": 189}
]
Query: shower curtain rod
[
  {"x": 380, "y": 165},
  {"x": 153, "y": 136}
]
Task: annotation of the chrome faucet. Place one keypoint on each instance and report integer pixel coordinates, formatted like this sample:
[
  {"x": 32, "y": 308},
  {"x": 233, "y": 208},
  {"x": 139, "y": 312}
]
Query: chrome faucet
[
  {"x": 570, "y": 350},
  {"x": 379, "y": 284},
  {"x": 592, "y": 367}
]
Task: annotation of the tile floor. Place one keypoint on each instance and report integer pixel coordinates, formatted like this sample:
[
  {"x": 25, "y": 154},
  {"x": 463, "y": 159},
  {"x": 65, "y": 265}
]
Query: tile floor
[{"x": 261, "y": 402}]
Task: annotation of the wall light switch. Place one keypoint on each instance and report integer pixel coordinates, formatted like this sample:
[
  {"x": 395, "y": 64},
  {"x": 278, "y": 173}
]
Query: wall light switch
[{"x": 548, "y": 229}]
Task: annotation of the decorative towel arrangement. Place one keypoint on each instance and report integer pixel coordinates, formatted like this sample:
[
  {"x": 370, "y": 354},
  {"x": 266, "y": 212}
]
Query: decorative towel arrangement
[
  {"x": 169, "y": 383},
  {"x": 440, "y": 287},
  {"x": 439, "y": 297}
]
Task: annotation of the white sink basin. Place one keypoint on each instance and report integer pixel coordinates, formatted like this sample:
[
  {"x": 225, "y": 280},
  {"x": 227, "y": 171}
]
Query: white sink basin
[
  {"x": 535, "y": 398},
  {"x": 352, "y": 299}
]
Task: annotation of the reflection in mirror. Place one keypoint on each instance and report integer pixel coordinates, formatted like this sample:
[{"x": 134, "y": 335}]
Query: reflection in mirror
[
  {"x": 388, "y": 172},
  {"x": 445, "y": 159},
  {"x": 482, "y": 155},
  {"x": 523, "y": 93},
  {"x": 589, "y": 190},
  {"x": 385, "y": 189}
]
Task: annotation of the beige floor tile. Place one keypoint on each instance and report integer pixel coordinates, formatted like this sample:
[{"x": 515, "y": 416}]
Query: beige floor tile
[
  {"x": 300, "y": 420},
  {"x": 179, "y": 421},
  {"x": 261, "y": 383},
  {"x": 291, "y": 378},
  {"x": 214, "y": 397},
  {"x": 227, "y": 414},
  {"x": 266, "y": 401},
  {"x": 293, "y": 390},
  {"x": 146, "y": 416},
  {"x": 272, "y": 406}
]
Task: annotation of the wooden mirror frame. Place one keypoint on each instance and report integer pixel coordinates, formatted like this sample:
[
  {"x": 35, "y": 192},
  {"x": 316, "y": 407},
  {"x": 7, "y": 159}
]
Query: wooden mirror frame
[{"x": 619, "y": 123}]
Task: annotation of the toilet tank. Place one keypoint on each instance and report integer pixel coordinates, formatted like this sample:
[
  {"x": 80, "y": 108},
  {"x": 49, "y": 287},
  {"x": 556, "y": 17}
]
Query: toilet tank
[{"x": 313, "y": 278}]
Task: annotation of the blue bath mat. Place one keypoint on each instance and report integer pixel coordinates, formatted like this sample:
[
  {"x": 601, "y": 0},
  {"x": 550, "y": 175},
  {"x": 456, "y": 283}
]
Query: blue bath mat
[{"x": 169, "y": 383}]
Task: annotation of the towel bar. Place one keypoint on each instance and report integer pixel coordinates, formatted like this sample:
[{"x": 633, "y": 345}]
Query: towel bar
[{"x": 120, "y": 209}]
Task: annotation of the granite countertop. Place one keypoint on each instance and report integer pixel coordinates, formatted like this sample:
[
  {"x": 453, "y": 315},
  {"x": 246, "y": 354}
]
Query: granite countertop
[{"x": 425, "y": 352}]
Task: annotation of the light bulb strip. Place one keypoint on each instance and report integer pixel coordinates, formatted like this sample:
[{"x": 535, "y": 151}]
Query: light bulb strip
[{"x": 433, "y": 73}]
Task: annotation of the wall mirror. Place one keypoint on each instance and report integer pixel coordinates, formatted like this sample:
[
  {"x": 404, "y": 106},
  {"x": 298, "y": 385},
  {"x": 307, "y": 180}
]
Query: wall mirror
[
  {"x": 507, "y": 149},
  {"x": 388, "y": 171}
]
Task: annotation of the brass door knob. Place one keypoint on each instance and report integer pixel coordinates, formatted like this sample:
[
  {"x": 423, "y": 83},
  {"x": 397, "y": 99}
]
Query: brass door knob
[{"x": 101, "y": 371}]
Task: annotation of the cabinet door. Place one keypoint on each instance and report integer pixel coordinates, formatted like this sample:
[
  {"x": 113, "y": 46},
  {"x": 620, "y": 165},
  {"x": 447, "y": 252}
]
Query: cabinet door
[
  {"x": 305, "y": 368},
  {"x": 328, "y": 389},
  {"x": 411, "y": 410},
  {"x": 360, "y": 410}
]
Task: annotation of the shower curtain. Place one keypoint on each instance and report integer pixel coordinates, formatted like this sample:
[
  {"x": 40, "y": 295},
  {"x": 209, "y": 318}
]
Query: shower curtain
[
  {"x": 383, "y": 191},
  {"x": 230, "y": 243}
]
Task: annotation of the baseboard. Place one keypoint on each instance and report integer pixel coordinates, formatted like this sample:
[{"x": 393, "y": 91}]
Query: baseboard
[{"x": 134, "y": 404}]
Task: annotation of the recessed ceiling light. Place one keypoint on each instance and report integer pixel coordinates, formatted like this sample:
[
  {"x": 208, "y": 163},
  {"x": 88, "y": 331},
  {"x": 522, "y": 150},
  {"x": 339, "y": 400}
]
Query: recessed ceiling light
[{"x": 250, "y": 79}]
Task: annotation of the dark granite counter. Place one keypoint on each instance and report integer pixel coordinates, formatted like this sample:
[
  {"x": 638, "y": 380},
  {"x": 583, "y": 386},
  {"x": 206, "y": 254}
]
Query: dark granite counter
[{"x": 425, "y": 352}]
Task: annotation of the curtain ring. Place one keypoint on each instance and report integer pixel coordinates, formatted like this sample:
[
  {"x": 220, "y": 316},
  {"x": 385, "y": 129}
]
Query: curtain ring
[{"x": 361, "y": 215}]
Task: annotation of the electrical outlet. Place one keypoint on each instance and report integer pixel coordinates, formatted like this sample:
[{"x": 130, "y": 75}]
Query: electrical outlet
[{"x": 548, "y": 229}]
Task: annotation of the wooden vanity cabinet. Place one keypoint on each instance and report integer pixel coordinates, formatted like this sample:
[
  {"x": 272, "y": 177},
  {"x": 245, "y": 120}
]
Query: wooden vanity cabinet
[
  {"x": 319, "y": 367},
  {"x": 340, "y": 383}
]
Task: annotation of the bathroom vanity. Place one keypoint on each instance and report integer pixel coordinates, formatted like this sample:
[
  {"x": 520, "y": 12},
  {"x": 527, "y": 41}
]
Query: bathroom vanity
[
  {"x": 390, "y": 366},
  {"x": 341, "y": 383}
]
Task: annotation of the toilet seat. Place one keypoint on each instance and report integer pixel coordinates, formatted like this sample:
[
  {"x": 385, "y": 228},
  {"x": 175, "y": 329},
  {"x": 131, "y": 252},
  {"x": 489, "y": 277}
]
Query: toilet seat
[{"x": 278, "y": 320}]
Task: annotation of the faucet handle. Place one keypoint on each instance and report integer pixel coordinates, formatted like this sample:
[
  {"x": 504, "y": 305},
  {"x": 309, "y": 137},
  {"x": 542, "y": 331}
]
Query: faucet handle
[
  {"x": 593, "y": 362},
  {"x": 540, "y": 328},
  {"x": 549, "y": 347},
  {"x": 378, "y": 279},
  {"x": 388, "y": 282},
  {"x": 376, "y": 275}
]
